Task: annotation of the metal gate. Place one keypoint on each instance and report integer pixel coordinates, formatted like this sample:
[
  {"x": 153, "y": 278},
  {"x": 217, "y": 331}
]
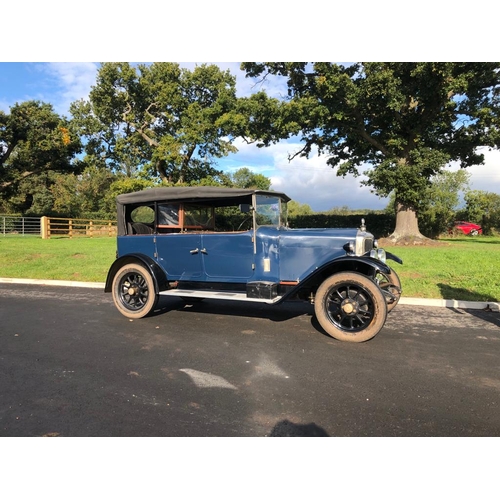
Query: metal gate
[{"x": 12, "y": 225}]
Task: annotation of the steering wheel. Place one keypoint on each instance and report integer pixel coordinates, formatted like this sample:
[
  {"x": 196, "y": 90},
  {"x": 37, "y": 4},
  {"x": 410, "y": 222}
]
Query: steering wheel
[{"x": 248, "y": 219}]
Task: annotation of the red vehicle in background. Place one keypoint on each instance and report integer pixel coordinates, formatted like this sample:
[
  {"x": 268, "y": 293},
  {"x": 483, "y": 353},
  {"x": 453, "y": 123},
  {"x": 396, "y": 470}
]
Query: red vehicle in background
[{"x": 468, "y": 228}]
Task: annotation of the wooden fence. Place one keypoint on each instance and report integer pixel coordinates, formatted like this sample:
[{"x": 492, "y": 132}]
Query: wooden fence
[{"x": 73, "y": 228}]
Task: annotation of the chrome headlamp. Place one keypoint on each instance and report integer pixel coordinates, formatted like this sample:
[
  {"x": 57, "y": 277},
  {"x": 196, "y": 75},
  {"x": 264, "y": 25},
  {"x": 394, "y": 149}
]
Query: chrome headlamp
[
  {"x": 349, "y": 247},
  {"x": 378, "y": 254}
]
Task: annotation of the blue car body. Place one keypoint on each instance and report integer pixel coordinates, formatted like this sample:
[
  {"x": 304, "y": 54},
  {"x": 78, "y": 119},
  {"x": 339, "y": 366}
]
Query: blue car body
[
  {"x": 235, "y": 244},
  {"x": 281, "y": 254}
]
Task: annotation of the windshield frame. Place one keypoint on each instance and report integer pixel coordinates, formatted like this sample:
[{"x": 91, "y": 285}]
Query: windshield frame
[{"x": 264, "y": 206}]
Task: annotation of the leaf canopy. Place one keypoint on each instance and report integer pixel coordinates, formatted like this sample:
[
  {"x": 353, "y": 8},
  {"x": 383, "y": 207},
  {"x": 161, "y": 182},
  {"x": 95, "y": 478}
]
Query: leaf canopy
[{"x": 405, "y": 121}]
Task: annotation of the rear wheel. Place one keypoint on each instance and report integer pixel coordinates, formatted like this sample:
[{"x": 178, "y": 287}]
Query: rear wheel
[
  {"x": 350, "y": 307},
  {"x": 133, "y": 291}
]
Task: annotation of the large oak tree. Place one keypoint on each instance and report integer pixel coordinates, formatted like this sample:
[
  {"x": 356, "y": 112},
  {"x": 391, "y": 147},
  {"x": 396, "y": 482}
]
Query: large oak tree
[
  {"x": 402, "y": 122},
  {"x": 34, "y": 141}
]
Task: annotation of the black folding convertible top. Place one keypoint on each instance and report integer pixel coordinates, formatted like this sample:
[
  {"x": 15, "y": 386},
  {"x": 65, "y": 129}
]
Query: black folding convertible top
[{"x": 215, "y": 196}]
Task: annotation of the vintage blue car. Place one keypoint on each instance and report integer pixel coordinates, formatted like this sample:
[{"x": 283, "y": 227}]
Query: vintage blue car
[{"x": 235, "y": 244}]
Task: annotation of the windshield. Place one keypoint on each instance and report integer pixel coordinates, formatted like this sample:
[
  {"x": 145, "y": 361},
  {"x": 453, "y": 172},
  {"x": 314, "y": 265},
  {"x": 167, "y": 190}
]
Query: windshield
[{"x": 270, "y": 211}]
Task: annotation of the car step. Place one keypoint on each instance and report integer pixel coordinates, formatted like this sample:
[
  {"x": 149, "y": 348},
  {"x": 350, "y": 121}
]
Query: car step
[{"x": 219, "y": 295}]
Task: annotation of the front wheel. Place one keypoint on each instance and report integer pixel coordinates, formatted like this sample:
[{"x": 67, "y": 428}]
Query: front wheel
[
  {"x": 392, "y": 284},
  {"x": 133, "y": 291},
  {"x": 350, "y": 307}
]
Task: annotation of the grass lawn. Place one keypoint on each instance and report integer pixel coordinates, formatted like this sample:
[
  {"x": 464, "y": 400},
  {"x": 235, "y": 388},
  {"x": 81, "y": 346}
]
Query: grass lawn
[
  {"x": 78, "y": 259},
  {"x": 462, "y": 268},
  {"x": 465, "y": 268}
]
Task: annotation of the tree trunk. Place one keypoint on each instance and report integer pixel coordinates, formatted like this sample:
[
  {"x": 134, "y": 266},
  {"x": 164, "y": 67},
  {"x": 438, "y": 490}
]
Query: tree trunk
[{"x": 406, "y": 231}]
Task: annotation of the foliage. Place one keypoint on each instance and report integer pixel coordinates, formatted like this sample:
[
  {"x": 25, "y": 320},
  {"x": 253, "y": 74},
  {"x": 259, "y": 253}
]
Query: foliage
[
  {"x": 34, "y": 140},
  {"x": 32, "y": 196},
  {"x": 159, "y": 120},
  {"x": 440, "y": 201},
  {"x": 483, "y": 208},
  {"x": 85, "y": 195},
  {"x": 405, "y": 120},
  {"x": 344, "y": 210},
  {"x": 295, "y": 208},
  {"x": 246, "y": 179}
]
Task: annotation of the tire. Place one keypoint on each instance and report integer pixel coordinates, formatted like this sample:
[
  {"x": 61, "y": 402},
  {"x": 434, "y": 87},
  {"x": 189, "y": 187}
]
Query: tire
[
  {"x": 474, "y": 232},
  {"x": 350, "y": 307},
  {"x": 391, "y": 283},
  {"x": 134, "y": 291}
]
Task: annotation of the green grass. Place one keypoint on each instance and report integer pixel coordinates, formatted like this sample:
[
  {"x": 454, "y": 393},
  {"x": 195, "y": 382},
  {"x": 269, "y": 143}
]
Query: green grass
[
  {"x": 461, "y": 268},
  {"x": 464, "y": 268},
  {"x": 78, "y": 259}
]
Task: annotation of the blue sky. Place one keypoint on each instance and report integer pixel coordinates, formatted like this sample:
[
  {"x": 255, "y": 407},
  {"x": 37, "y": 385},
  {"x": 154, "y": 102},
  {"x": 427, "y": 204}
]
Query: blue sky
[{"x": 308, "y": 181}]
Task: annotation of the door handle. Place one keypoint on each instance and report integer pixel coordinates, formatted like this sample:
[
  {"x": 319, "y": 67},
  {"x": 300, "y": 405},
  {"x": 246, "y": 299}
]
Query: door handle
[
  {"x": 192, "y": 252},
  {"x": 204, "y": 250}
]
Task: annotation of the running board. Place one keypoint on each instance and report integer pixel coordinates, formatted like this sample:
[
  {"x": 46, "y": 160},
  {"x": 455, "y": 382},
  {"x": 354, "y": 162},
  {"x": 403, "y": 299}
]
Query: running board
[{"x": 207, "y": 294}]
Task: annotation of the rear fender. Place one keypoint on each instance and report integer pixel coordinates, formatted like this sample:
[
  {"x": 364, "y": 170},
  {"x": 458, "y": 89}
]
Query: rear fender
[{"x": 159, "y": 276}]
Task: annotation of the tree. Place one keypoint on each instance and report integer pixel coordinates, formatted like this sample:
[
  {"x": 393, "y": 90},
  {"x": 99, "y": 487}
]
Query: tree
[
  {"x": 296, "y": 208},
  {"x": 85, "y": 195},
  {"x": 34, "y": 140},
  {"x": 32, "y": 196},
  {"x": 170, "y": 122},
  {"x": 405, "y": 121},
  {"x": 343, "y": 210},
  {"x": 483, "y": 208},
  {"x": 246, "y": 179},
  {"x": 440, "y": 201}
]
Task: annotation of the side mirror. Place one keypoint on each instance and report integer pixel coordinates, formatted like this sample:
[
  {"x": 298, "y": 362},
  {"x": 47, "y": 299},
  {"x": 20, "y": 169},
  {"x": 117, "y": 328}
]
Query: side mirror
[{"x": 245, "y": 208}]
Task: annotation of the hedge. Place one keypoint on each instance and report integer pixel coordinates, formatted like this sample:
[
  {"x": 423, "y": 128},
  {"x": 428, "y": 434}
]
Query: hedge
[{"x": 380, "y": 225}]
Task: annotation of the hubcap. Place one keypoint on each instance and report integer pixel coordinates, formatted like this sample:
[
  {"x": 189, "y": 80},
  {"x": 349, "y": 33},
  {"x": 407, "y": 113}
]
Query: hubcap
[
  {"x": 134, "y": 291},
  {"x": 350, "y": 307}
]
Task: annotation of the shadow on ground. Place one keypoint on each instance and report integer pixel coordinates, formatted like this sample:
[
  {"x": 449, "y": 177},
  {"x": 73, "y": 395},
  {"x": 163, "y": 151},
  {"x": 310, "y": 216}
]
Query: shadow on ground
[
  {"x": 285, "y": 428},
  {"x": 451, "y": 293},
  {"x": 279, "y": 312}
]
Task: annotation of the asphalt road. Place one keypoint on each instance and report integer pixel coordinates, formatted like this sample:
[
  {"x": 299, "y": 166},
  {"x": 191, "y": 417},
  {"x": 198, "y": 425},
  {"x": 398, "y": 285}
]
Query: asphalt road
[{"x": 71, "y": 365}]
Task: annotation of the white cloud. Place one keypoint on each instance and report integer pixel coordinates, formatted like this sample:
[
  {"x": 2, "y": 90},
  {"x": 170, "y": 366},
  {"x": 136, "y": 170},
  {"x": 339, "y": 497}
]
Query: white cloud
[
  {"x": 486, "y": 177},
  {"x": 314, "y": 182},
  {"x": 68, "y": 82},
  {"x": 309, "y": 181}
]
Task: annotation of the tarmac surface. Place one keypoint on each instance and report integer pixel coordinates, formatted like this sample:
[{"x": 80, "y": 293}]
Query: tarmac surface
[{"x": 71, "y": 365}]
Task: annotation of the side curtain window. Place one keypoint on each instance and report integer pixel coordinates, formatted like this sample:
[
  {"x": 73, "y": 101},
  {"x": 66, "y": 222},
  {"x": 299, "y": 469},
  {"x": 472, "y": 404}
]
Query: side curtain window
[
  {"x": 142, "y": 220},
  {"x": 168, "y": 215}
]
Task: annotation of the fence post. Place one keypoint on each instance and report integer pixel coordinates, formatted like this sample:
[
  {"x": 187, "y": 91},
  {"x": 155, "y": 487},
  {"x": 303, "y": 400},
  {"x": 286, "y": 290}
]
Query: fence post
[{"x": 45, "y": 227}]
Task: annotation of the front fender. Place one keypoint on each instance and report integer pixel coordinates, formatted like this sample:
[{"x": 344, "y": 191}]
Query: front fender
[
  {"x": 159, "y": 276},
  {"x": 363, "y": 265},
  {"x": 390, "y": 255}
]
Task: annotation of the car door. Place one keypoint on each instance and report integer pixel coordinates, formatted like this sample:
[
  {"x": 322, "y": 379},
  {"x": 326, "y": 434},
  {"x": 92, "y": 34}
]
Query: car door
[
  {"x": 180, "y": 255},
  {"x": 228, "y": 256}
]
